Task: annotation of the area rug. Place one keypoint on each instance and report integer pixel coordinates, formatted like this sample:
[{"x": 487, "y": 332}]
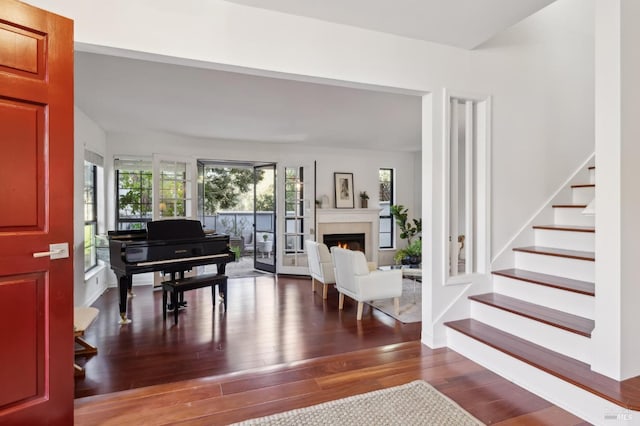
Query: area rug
[
  {"x": 416, "y": 403},
  {"x": 242, "y": 268},
  {"x": 410, "y": 303}
]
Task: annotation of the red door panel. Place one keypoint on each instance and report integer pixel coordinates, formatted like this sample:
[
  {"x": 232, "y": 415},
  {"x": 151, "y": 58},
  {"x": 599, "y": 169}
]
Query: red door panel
[
  {"x": 36, "y": 205},
  {"x": 22, "y": 165},
  {"x": 24, "y": 355}
]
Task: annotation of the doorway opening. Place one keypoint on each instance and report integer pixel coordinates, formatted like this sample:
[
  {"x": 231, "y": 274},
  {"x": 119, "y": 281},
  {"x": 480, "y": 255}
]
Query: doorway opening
[{"x": 238, "y": 199}]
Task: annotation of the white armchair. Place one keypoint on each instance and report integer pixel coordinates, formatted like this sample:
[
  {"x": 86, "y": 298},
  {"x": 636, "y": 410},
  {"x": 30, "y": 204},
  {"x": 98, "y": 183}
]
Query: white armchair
[
  {"x": 320, "y": 265},
  {"x": 356, "y": 280},
  {"x": 247, "y": 242}
]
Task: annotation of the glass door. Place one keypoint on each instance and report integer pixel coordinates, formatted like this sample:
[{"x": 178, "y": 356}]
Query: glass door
[
  {"x": 264, "y": 221},
  {"x": 297, "y": 218}
]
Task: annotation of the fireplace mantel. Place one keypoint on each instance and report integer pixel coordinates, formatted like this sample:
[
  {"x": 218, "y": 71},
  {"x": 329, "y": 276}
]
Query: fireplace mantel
[
  {"x": 333, "y": 221},
  {"x": 347, "y": 215}
]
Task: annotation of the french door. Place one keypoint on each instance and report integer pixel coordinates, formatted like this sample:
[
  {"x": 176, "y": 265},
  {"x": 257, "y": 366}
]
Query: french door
[
  {"x": 297, "y": 213},
  {"x": 264, "y": 218}
]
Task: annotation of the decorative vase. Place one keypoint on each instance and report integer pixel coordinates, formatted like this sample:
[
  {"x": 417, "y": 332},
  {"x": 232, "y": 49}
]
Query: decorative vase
[{"x": 364, "y": 203}]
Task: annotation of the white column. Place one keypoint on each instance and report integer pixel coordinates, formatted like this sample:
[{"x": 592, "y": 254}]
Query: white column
[{"x": 616, "y": 346}]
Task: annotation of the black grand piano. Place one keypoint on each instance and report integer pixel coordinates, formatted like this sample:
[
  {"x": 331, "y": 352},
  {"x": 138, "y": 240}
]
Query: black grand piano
[{"x": 170, "y": 246}]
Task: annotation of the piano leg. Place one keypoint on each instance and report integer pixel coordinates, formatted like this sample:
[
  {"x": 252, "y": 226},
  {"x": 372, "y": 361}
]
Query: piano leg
[
  {"x": 124, "y": 286},
  {"x": 222, "y": 289},
  {"x": 221, "y": 268},
  {"x": 177, "y": 275},
  {"x": 174, "y": 302}
]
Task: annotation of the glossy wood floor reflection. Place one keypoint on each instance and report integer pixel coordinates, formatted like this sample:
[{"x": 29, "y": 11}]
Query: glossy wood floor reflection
[
  {"x": 269, "y": 321},
  {"x": 234, "y": 397},
  {"x": 278, "y": 348}
]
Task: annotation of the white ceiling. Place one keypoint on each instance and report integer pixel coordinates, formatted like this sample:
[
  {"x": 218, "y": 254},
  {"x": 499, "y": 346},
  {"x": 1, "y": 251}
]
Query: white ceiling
[
  {"x": 460, "y": 23},
  {"x": 134, "y": 96}
]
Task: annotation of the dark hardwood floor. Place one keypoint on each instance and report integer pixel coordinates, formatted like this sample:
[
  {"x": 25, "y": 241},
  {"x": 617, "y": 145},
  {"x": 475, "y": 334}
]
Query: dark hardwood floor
[
  {"x": 278, "y": 347},
  {"x": 269, "y": 321}
]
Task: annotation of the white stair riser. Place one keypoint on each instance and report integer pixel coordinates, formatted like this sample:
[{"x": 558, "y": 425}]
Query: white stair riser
[
  {"x": 553, "y": 338},
  {"x": 568, "y": 240},
  {"x": 572, "y": 216},
  {"x": 582, "y": 403},
  {"x": 562, "y": 300},
  {"x": 592, "y": 176},
  {"x": 583, "y": 270},
  {"x": 583, "y": 195}
]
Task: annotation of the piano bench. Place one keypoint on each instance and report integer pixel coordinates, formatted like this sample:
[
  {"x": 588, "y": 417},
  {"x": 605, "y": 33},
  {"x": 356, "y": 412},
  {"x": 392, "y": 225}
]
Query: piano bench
[
  {"x": 82, "y": 319},
  {"x": 191, "y": 283}
]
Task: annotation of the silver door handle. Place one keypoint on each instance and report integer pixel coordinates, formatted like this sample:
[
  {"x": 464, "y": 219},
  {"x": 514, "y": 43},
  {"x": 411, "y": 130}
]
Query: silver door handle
[
  {"x": 47, "y": 253},
  {"x": 56, "y": 251}
]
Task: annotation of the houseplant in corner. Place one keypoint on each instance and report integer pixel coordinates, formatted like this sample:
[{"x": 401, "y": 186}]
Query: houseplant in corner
[{"x": 412, "y": 253}]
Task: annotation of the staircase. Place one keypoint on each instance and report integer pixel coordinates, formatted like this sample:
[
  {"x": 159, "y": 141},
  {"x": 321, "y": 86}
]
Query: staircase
[{"x": 535, "y": 327}]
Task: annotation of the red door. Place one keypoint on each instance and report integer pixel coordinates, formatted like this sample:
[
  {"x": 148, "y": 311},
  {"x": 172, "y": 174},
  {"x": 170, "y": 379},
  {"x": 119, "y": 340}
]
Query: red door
[{"x": 36, "y": 210}]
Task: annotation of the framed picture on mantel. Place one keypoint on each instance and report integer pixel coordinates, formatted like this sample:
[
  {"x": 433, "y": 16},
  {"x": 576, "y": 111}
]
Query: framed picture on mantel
[{"x": 343, "y": 183}]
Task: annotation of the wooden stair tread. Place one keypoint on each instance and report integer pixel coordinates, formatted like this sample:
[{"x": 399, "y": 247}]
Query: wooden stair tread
[
  {"x": 584, "y": 185},
  {"x": 562, "y": 283},
  {"x": 569, "y": 206},
  {"x": 553, "y": 317},
  {"x": 625, "y": 393},
  {"x": 570, "y": 228},
  {"x": 550, "y": 251}
]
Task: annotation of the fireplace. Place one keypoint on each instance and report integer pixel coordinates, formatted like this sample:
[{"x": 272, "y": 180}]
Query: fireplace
[
  {"x": 351, "y": 221},
  {"x": 350, "y": 241}
]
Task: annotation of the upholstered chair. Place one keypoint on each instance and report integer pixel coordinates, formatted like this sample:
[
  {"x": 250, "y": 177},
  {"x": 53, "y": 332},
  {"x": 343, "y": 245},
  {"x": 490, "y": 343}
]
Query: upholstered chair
[
  {"x": 247, "y": 242},
  {"x": 356, "y": 280},
  {"x": 320, "y": 265}
]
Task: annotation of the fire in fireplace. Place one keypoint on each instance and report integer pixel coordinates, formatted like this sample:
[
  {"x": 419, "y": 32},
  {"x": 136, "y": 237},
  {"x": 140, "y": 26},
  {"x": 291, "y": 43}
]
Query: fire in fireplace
[{"x": 348, "y": 241}]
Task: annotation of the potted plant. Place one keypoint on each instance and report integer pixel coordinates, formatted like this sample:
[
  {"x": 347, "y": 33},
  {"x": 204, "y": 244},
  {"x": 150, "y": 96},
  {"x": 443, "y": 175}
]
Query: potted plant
[
  {"x": 237, "y": 252},
  {"x": 364, "y": 197},
  {"x": 412, "y": 253}
]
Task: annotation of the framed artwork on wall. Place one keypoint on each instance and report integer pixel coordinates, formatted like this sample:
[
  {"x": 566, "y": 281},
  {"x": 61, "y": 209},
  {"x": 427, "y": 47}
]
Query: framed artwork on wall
[{"x": 343, "y": 183}]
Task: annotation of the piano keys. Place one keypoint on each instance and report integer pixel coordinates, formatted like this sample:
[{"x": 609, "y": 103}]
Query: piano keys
[{"x": 170, "y": 246}]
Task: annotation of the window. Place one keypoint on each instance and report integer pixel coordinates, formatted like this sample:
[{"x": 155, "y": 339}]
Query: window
[
  {"x": 90, "y": 215},
  {"x": 467, "y": 187},
  {"x": 133, "y": 198},
  {"x": 385, "y": 179},
  {"x": 294, "y": 210},
  {"x": 172, "y": 187}
]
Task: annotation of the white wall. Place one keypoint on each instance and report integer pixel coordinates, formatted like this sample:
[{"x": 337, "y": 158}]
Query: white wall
[
  {"x": 617, "y": 152},
  {"x": 88, "y": 136},
  {"x": 539, "y": 74}
]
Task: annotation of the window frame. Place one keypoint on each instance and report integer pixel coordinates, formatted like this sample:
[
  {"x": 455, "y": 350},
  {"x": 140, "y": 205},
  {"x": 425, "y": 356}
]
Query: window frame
[
  {"x": 297, "y": 215},
  {"x": 90, "y": 244},
  {"x": 389, "y": 217},
  {"x": 141, "y": 220}
]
